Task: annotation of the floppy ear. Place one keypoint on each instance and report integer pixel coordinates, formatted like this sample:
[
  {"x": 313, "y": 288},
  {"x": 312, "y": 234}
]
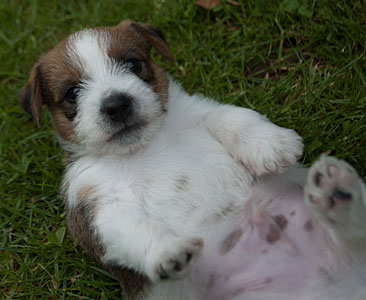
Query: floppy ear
[
  {"x": 155, "y": 37},
  {"x": 30, "y": 98}
]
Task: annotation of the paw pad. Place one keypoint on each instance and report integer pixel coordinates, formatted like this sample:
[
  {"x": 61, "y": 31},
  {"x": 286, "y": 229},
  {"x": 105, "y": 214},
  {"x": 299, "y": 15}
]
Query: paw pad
[
  {"x": 331, "y": 183},
  {"x": 176, "y": 262}
]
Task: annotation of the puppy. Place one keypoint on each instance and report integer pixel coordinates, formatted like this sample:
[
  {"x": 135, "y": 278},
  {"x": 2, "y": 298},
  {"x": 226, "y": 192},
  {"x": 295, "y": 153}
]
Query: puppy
[{"x": 183, "y": 198}]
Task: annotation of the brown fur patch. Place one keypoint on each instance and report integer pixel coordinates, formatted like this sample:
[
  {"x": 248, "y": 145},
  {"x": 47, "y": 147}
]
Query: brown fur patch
[
  {"x": 58, "y": 75},
  {"x": 85, "y": 194},
  {"x": 80, "y": 227},
  {"x": 65, "y": 127},
  {"x": 68, "y": 158},
  {"x": 126, "y": 43},
  {"x": 155, "y": 37},
  {"x": 230, "y": 241},
  {"x": 30, "y": 98},
  {"x": 50, "y": 79},
  {"x": 161, "y": 85}
]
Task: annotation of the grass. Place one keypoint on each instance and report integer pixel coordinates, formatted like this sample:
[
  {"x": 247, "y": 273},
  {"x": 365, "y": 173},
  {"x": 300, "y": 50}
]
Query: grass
[{"x": 302, "y": 63}]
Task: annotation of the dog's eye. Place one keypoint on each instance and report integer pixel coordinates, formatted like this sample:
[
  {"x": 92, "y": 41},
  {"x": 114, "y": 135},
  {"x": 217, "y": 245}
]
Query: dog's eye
[
  {"x": 72, "y": 94},
  {"x": 133, "y": 65}
]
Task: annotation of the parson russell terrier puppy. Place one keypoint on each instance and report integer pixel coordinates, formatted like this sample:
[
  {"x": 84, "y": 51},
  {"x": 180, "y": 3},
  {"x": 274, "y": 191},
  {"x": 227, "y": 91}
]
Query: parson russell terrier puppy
[{"x": 183, "y": 198}]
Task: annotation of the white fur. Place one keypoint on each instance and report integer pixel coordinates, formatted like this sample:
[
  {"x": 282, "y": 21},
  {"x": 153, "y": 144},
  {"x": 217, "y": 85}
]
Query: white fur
[
  {"x": 162, "y": 197},
  {"x": 87, "y": 49},
  {"x": 102, "y": 76}
]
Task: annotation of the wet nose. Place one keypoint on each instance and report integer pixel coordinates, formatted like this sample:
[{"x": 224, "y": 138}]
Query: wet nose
[{"x": 117, "y": 107}]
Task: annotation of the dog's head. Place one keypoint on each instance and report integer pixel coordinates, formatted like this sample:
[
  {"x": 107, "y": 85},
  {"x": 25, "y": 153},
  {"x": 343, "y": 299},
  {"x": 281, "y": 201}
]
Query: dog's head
[{"x": 105, "y": 93}]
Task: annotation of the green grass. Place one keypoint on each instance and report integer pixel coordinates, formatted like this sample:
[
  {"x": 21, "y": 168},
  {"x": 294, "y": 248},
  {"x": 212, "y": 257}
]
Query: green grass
[{"x": 302, "y": 63}]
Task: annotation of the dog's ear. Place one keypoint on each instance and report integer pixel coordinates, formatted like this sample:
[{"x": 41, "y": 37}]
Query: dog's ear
[
  {"x": 155, "y": 37},
  {"x": 30, "y": 98}
]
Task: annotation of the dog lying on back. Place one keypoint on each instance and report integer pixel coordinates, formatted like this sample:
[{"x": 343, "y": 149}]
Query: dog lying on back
[{"x": 183, "y": 198}]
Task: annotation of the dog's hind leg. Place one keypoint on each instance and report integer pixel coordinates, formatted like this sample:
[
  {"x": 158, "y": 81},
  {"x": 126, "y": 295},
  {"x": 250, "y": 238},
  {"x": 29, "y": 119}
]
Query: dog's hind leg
[{"x": 337, "y": 197}]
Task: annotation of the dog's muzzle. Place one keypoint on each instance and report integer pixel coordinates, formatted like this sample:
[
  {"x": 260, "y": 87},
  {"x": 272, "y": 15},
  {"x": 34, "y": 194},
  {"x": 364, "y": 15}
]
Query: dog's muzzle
[{"x": 117, "y": 107}]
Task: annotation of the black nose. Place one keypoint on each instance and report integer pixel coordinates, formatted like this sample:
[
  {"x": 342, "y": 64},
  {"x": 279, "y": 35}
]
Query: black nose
[{"x": 117, "y": 107}]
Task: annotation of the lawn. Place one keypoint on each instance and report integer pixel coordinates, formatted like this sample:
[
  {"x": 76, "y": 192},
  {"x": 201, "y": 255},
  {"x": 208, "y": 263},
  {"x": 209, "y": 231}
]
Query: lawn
[{"x": 302, "y": 63}]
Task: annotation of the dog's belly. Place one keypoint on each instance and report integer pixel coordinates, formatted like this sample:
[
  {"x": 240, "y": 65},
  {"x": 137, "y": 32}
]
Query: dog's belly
[{"x": 276, "y": 248}]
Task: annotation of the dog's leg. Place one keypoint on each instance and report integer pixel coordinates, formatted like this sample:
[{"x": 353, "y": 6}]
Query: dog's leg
[
  {"x": 261, "y": 146},
  {"x": 337, "y": 197},
  {"x": 134, "y": 241}
]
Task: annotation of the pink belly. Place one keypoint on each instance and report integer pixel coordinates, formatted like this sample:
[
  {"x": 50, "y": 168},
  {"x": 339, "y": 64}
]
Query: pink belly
[{"x": 276, "y": 247}]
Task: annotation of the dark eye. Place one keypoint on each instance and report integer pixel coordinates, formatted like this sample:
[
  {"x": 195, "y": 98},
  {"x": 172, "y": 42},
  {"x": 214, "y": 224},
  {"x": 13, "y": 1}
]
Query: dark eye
[
  {"x": 133, "y": 65},
  {"x": 72, "y": 94}
]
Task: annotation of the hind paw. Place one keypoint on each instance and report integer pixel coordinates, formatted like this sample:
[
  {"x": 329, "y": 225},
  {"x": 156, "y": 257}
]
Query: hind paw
[{"x": 332, "y": 186}]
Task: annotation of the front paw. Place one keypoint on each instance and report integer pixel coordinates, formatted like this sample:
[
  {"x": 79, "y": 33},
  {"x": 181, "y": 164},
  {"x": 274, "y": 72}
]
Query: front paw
[
  {"x": 270, "y": 149},
  {"x": 176, "y": 260}
]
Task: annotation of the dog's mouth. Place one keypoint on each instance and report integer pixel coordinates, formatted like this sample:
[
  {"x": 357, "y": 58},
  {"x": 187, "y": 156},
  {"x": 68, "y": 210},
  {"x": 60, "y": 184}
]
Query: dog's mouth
[{"x": 127, "y": 130}]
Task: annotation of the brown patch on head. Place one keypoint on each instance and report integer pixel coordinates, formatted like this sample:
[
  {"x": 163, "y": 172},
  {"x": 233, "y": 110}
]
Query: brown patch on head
[
  {"x": 230, "y": 241},
  {"x": 81, "y": 228},
  {"x": 134, "y": 41},
  {"x": 309, "y": 226},
  {"x": 50, "y": 79},
  {"x": 30, "y": 98},
  {"x": 281, "y": 221},
  {"x": 154, "y": 36},
  {"x": 65, "y": 127},
  {"x": 161, "y": 85},
  {"x": 274, "y": 234},
  {"x": 59, "y": 75},
  {"x": 182, "y": 183},
  {"x": 54, "y": 74}
]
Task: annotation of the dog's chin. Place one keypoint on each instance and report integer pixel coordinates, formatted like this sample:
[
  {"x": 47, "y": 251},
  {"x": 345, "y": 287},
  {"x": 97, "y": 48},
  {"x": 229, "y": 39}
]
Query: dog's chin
[
  {"x": 127, "y": 133},
  {"x": 129, "y": 139},
  {"x": 126, "y": 140}
]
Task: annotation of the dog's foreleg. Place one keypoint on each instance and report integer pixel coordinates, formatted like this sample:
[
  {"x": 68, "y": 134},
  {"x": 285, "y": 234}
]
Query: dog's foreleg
[
  {"x": 132, "y": 240},
  {"x": 337, "y": 197},
  {"x": 261, "y": 146}
]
